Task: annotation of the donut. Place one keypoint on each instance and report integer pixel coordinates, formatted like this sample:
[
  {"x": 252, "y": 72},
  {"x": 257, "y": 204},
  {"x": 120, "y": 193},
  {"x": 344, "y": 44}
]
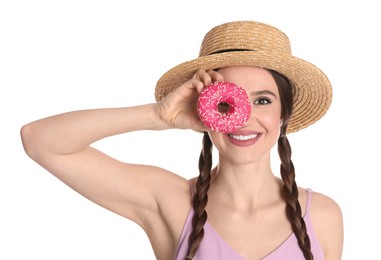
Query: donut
[{"x": 223, "y": 107}]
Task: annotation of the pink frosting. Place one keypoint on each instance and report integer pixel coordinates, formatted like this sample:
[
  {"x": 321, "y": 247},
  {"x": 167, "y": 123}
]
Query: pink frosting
[{"x": 227, "y": 93}]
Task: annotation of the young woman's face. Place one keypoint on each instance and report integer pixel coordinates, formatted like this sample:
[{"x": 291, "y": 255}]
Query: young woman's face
[{"x": 254, "y": 141}]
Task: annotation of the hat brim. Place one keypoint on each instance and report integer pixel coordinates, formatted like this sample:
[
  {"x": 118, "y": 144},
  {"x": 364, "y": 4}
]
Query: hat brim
[{"x": 312, "y": 91}]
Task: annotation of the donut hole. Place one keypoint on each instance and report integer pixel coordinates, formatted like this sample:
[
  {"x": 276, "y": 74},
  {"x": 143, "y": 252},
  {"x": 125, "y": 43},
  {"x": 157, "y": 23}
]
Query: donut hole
[{"x": 223, "y": 107}]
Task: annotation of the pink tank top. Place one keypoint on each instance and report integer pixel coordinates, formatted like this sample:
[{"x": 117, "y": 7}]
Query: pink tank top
[{"x": 214, "y": 247}]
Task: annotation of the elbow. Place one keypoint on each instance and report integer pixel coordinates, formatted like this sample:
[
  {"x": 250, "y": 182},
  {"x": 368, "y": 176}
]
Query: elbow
[{"x": 29, "y": 139}]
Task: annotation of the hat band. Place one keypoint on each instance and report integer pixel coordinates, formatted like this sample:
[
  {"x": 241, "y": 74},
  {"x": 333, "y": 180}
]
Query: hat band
[{"x": 228, "y": 50}]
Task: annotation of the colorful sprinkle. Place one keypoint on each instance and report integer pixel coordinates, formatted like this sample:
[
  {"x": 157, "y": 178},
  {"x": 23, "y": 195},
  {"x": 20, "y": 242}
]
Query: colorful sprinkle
[{"x": 232, "y": 98}]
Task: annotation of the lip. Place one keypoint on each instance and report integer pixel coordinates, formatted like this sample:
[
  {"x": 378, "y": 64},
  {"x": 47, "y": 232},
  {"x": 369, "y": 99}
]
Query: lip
[{"x": 244, "y": 142}]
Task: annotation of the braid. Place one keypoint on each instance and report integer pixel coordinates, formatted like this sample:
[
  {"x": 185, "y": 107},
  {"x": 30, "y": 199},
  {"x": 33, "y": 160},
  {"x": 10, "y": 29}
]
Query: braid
[
  {"x": 287, "y": 170},
  {"x": 200, "y": 198},
  {"x": 290, "y": 193}
]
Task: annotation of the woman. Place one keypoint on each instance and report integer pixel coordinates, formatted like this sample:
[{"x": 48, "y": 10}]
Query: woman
[{"x": 237, "y": 210}]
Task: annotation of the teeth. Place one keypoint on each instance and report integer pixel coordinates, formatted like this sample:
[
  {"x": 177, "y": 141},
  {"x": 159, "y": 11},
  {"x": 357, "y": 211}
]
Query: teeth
[{"x": 243, "y": 137}]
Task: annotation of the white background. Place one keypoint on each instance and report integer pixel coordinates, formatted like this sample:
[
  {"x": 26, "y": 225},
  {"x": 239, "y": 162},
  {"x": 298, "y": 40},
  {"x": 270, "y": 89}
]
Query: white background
[{"x": 57, "y": 56}]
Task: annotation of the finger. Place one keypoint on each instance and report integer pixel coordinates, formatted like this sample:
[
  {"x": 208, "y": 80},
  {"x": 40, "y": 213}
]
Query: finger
[
  {"x": 203, "y": 76},
  {"x": 197, "y": 84},
  {"x": 199, "y": 74},
  {"x": 215, "y": 75}
]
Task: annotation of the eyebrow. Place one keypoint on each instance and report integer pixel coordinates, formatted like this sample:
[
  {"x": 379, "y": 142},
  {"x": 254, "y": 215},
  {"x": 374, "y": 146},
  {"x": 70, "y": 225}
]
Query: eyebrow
[{"x": 264, "y": 92}]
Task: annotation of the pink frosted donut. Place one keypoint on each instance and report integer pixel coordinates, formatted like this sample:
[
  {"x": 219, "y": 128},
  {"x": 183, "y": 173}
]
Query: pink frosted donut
[{"x": 224, "y": 107}]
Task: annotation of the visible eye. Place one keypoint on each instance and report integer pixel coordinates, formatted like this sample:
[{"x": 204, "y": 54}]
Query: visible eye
[{"x": 262, "y": 101}]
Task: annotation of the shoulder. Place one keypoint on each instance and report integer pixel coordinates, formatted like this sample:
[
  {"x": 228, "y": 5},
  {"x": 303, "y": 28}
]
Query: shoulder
[
  {"x": 325, "y": 209},
  {"x": 327, "y": 221}
]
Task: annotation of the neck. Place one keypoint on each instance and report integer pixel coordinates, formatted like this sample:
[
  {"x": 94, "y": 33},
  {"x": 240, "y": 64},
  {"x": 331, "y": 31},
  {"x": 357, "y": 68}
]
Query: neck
[{"x": 245, "y": 186}]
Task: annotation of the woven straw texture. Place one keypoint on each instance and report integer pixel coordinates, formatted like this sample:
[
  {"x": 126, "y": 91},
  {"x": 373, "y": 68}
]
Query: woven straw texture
[{"x": 257, "y": 44}]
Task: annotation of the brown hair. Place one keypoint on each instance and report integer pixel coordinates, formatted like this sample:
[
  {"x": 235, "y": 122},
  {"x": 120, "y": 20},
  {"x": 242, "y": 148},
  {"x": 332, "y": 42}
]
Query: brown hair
[{"x": 289, "y": 189}]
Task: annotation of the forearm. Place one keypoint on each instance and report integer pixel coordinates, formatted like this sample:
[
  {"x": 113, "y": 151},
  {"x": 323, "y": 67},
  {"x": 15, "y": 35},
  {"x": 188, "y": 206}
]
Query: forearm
[{"x": 73, "y": 131}]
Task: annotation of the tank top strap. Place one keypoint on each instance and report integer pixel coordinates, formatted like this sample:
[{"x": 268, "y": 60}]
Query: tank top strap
[{"x": 308, "y": 201}]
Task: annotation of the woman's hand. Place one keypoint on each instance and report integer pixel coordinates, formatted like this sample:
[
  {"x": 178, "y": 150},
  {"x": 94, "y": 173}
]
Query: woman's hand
[{"x": 179, "y": 108}]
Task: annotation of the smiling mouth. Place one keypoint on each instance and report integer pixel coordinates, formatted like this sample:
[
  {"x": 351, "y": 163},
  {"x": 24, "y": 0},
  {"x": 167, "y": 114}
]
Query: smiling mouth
[{"x": 243, "y": 137}]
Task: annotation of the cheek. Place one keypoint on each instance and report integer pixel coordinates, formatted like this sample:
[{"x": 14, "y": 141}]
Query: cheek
[
  {"x": 218, "y": 140},
  {"x": 270, "y": 119},
  {"x": 215, "y": 138},
  {"x": 273, "y": 122}
]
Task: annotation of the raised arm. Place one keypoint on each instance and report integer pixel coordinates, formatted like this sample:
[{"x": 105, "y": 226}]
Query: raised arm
[{"x": 62, "y": 145}]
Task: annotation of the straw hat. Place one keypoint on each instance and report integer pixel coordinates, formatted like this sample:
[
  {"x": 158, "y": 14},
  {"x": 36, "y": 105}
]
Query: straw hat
[{"x": 257, "y": 44}]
